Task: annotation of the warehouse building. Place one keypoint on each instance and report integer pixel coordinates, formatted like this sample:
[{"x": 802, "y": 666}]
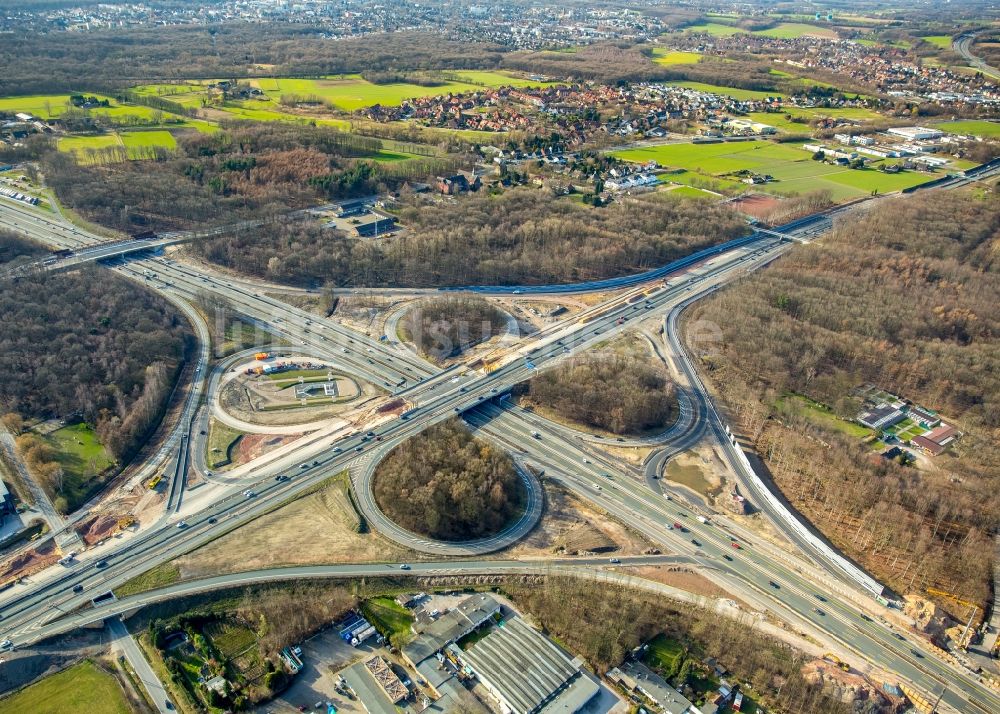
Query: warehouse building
[
  {"x": 527, "y": 673},
  {"x": 451, "y": 627}
]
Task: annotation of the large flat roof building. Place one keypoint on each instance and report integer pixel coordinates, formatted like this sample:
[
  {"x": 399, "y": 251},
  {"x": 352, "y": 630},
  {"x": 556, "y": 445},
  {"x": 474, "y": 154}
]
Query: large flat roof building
[
  {"x": 527, "y": 673},
  {"x": 450, "y": 627}
]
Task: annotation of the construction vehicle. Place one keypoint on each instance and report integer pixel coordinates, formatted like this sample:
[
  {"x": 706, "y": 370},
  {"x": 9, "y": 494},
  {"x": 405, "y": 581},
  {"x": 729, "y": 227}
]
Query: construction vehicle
[
  {"x": 834, "y": 659},
  {"x": 262, "y": 355},
  {"x": 154, "y": 482}
]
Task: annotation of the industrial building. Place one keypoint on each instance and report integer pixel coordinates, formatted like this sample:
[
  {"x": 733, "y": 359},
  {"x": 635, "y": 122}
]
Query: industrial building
[
  {"x": 527, "y": 673},
  {"x": 915, "y": 133},
  {"x": 450, "y": 627}
]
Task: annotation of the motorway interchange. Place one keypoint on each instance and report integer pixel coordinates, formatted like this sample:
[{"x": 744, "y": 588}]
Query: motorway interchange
[{"x": 803, "y": 589}]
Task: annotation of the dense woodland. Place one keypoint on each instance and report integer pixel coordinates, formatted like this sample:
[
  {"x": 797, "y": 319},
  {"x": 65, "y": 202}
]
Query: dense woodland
[
  {"x": 107, "y": 60},
  {"x": 522, "y": 236},
  {"x": 444, "y": 327},
  {"x": 604, "y": 622},
  {"x": 622, "y": 394},
  {"x": 248, "y": 171},
  {"x": 15, "y": 250},
  {"x": 905, "y": 298},
  {"x": 446, "y": 484},
  {"x": 93, "y": 344}
]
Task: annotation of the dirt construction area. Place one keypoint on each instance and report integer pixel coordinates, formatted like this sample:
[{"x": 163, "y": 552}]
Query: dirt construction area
[{"x": 292, "y": 393}]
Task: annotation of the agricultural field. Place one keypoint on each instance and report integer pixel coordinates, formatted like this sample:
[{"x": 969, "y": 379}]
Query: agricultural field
[
  {"x": 728, "y": 91},
  {"x": 136, "y": 143},
  {"x": 351, "y": 92},
  {"x": 985, "y": 129},
  {"x": 82, "y": 688},
  {"x": 784, "y": 120},
  {"x": 793, "y": 168},
  {"x": 662, "y": 55},
  {"x": 715, "y": 29},
  {"x": 942, "y": 42},
  {"x": 793, "y": 30}
]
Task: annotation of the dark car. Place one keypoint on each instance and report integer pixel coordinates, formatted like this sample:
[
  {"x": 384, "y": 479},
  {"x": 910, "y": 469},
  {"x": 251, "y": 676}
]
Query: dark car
[
  {"x": 78, "y": 588},
  {"x": 696, "y": 542},
  {"x": 773, "y": 584},
  {"x": 213, "y": 520},
  {"x": 102, "y": 563}
]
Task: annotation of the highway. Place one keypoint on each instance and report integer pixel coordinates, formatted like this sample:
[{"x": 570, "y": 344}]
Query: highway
[
  {"x": 33, "y": 609},
  {"x": 963, "y": 45}
]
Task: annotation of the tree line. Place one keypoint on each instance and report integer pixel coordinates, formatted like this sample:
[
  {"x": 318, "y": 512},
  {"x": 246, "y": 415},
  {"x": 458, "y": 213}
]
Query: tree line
[
  {"x": 446, "y": 484},
  {"x": 905, "y": 298}
]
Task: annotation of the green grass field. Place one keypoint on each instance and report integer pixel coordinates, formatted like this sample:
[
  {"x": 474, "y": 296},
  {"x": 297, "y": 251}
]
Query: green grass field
[
  {"x": 220, "y": 438},
  {"x": 663, "y": 653},
  {"x": 79, "y": 452},
  {"x": 662, "y": 55},
  {"x": 389, "y": 617},
  {"x": 792, "y": 167},
  {"x": 780, "y": 122},
  {"x": 792, "y": 30},
  {"x": 729, "y": 91},
  {"x": 83, "y": 687},
  {"x": 351, "y": 92},
  {"x": 715, "y": 29},
  {"x": 940, "y": 41},
  {"x": 822, "y": 416},
  {"x": 134, "y": 143},
  {"x": 985, "y": 129},
  {"x": 688, "y": 192},
  {"x": 137, "y": 140}
]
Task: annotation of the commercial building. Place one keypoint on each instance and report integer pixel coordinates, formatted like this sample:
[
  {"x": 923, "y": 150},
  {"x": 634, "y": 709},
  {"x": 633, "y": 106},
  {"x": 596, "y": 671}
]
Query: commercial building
[
  {"x": 881, "y": 416},
  {"x": 638, "y": 679},
  {"x": 936, "y": 440},
  {"x": 915, "y": 133},
  {"x": 527, "y": 673}
]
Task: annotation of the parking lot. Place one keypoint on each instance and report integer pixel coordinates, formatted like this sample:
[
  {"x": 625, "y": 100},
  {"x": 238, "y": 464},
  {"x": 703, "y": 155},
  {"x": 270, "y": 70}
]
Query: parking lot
[{"x": 322, "y": 656}]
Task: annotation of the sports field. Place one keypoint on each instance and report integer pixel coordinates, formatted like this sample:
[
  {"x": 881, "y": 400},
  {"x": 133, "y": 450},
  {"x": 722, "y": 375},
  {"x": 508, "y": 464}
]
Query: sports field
[
  {"x": 662, "y": 55},
  {"x": 792, "y": 167},
  {"x": 81, "y": 688},
  {"x": 728, "y": 91},
  {"x": 985, "y": 129}
]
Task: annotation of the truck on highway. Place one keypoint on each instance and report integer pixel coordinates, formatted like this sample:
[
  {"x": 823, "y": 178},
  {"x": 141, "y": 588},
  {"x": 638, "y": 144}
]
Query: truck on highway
[{"x": 702, "y": 519}]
